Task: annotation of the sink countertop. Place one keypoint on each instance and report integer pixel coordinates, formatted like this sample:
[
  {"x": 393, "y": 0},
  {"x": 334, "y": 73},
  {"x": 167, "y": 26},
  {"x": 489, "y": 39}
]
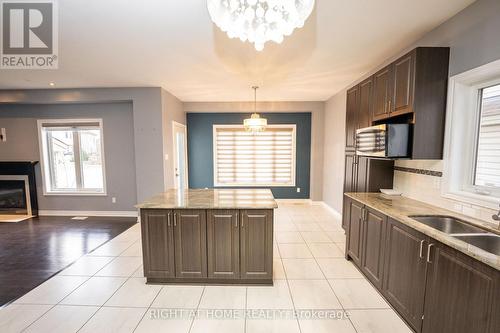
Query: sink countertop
[
  {"x": 400, "y": 208},
  {"x": 211, "y": 199}
]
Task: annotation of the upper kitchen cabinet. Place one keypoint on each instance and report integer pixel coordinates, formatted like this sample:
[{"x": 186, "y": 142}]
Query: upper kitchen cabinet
[
  {"x": 411, "y": 90},
  {"x": 351, "y": 117}
]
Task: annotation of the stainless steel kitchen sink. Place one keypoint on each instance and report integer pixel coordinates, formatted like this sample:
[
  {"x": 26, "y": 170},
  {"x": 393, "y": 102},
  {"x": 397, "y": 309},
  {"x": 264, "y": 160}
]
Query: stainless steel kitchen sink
[
  {"x": 487, "y": 242},
  {"x": 447, "y": 224}
]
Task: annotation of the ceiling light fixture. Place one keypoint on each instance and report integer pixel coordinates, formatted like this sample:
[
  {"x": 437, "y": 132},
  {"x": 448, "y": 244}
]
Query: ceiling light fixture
[
  {"x": 255, "y": 123},
  {"x": 259, "y": 21}
]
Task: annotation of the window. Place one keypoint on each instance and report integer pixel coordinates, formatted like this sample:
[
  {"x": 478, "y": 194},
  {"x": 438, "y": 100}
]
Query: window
[
  {"x": 243, "y": 158},
  {"x": 487, "y": 170},
  {"x": 472, "y": 143},
  {"x": 72, "y": 156}
]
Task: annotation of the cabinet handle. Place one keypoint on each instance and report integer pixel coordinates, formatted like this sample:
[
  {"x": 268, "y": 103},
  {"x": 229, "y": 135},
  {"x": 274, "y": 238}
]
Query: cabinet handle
[
  {"x": 390, "y": 106},
  {"x": 175, "y": 219},
  {"x": 422, "y": 249},
  {"x": 236, "y": 222},
  {"x": 429, "y": 253},
  {"x": 168, "y": 220}
]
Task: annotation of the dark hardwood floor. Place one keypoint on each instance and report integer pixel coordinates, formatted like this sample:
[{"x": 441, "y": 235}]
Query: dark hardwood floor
[{"x": 32, "y": 251}]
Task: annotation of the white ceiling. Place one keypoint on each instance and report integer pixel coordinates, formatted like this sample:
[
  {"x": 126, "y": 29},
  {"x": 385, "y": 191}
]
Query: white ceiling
[{"x": 173, "y": 44}]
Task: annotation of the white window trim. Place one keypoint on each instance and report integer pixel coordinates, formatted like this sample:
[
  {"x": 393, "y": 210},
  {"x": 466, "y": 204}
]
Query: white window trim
[
  {"x": 294, "y": 157},
  {"x": 45, "y": 168},
  {"x": 461, "y": 134}
]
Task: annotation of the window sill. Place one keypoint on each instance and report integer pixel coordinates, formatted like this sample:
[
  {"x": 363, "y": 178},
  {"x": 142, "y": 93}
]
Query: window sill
[
  {"x": 76, "y": 194},
  {"x": 483, "y": 201}
]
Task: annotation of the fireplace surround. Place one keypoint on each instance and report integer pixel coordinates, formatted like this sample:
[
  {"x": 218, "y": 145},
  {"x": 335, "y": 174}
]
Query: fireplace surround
[{"x": 18, "y": 188}]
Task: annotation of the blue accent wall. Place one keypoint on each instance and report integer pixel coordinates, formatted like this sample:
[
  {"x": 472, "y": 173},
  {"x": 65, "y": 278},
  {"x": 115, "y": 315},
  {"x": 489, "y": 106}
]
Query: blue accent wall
[{"x": 200, "y": 148}]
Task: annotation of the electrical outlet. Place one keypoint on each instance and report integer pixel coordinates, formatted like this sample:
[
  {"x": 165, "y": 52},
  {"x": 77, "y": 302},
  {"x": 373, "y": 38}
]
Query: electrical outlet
[
  {"x": 298, "y": 189},
  {"x": 113, "y": 200},
  {"x": 166, "y": 157}
]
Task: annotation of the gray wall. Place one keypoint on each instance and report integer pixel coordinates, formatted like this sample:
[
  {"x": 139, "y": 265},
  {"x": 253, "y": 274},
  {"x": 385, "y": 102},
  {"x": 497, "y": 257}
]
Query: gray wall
[
  {"x": 22, "y": 145},
  {"x": 148, "y": 112},
  {"x": 317, "y": 128},
  {"x": 472, "y": 35}
]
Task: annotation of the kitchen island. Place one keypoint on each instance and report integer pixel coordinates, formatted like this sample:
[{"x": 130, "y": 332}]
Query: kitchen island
[{"x": 209, "y": 236}]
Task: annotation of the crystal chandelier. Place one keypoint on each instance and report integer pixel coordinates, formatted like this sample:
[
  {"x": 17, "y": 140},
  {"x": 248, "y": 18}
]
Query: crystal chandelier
[
  {"x": 255, "y": 123},
  {"x": 259, "y": 21}
]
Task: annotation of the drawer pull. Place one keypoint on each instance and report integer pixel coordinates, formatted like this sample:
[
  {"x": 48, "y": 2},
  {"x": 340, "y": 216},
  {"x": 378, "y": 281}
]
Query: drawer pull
[
  {"x": 422, "y": 249},
  {"x": 429, "y": 253},
  {"x": 169, "y": 223}
]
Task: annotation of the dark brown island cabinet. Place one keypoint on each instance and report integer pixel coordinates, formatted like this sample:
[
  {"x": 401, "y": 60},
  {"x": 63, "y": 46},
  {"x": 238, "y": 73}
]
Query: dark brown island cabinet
[
  {"x": 208, "y": 236},
  {"x": 433, "y": 287}
]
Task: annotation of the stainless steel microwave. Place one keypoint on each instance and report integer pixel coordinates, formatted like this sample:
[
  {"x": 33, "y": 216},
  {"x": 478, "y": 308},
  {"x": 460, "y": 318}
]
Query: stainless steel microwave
[{"x": 387, "y": 140}]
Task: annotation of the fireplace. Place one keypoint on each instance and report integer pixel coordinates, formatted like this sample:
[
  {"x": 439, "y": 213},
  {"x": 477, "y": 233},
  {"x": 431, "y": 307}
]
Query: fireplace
[
  {"x": 14, "y": 195},
  {"x": 18, "y": 188}
]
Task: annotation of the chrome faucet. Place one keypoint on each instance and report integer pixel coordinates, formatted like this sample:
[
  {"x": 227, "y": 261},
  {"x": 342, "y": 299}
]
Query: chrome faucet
[{"x": 497, "y": 216}]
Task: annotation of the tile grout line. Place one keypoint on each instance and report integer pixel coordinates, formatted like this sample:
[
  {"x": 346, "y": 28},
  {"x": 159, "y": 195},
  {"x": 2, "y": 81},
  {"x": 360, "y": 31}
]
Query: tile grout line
[
  {"x": 333, "y": 291},
  {"x": 197, "y": 308}
]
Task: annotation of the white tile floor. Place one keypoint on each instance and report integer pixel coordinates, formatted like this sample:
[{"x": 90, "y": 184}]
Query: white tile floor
[{"x": 106, "y": 292}]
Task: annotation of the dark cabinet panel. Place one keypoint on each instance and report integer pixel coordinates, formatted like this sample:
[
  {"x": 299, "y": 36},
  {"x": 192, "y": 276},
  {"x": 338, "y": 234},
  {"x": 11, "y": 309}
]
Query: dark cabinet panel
[
  {"x": 190, "y": 243},
  {"x": 256, "y": 244},
  {"x": 351, "y": 117},
  {"x": 365, "y": 103},
  {"x": 405, "y": 270},
  {"x": 373, "y": 245},
  {"x": 403, "y": 78},
  {"x": 350, "y": 173},
  {"x": 157, "y": 243},
  {"x": 354, "y": 231},
  {"x": 223, "y": 244},
  {"x": 460, "y": 293},
  {"x": 373, "y": 174},
  {"x": 382, "y": 93}
]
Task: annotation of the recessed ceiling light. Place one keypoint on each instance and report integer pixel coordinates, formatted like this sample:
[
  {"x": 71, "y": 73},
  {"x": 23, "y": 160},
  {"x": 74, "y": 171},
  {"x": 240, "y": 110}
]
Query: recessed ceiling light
[{"x": 52, "y": 84}]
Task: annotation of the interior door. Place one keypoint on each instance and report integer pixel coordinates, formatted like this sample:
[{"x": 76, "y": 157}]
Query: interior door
[{"x": 180, "y": 155}]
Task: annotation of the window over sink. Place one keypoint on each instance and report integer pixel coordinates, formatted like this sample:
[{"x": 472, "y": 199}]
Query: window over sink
[
  {"x": 72, "y": 156},
  {"x": 472, "y": 147}
]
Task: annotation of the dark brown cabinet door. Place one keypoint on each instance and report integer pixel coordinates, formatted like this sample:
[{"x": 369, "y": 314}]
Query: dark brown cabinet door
[
  {"x": 350, "y": 173},
  {"x": 365, "y": 103},
  {"x": 460, "y": 294},
  {"x": 354, "y": 231},
  {"x": 403, "y": 78},
  {"x": 382, "y": 93},
  {"x": 405, "y": 270},
  {"x": 372, "y": 259},
  {"x": 256, "y": 244},
  {"x": 157, "y": 243},
  {"x": 223, "y": 244},
  {"x": 351, "y": 117},
  {"x": 362, "y": 164},
  {"x": 190, "y": 229}
]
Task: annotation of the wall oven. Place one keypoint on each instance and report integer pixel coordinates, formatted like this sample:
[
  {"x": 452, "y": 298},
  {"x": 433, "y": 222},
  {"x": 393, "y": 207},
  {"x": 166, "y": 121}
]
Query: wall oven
[{"x": 384, "y": 141}]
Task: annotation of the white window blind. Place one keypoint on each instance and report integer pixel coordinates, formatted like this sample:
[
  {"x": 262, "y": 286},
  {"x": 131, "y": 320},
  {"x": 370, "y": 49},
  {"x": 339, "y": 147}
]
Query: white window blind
[
  {"x": 488, "y": 147},
  {"x": 243, "y": 158}
]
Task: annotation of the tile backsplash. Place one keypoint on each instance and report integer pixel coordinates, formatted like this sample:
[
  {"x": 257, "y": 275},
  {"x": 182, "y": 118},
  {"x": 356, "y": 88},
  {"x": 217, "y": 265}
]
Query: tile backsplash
[{"x": 421, "y": 180}]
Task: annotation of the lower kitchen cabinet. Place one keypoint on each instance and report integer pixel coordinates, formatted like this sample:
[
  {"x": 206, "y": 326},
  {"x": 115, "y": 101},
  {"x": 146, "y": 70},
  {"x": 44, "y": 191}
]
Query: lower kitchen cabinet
[
  {"x": 207, "y": 246},
  {"x": 256, "y": 243},
  {"x": 158, "y": 243},
  {"x": 435, "y": 289},
  {"x": 373, "y": 245},
  {"x": 190, "y": 243},
  {"x": 355, "y": 213},
  {"x": 460, "y": 293},
  {"x": 223, "y": 244},
  {"x": 405, "y": 271}
]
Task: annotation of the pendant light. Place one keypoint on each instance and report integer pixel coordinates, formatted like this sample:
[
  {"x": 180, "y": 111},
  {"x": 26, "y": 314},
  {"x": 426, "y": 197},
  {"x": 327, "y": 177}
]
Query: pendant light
[{"x": 255, "y": 123}]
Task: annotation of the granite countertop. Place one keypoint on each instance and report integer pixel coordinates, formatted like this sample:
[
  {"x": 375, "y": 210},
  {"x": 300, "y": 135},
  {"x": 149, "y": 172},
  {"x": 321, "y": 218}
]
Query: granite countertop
[
  {"x": 212, "y": 199},
  {"x": 400, "y": 208}
]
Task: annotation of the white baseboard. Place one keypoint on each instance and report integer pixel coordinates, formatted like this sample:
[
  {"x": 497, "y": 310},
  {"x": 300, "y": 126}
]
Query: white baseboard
[
  {"x": 294, "y": 201},
  {"x": 331, "y": 209},
  {"x": 87, "y": 213}
]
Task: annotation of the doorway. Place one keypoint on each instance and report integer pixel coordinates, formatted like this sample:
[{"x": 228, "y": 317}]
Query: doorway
[{"x": 180, "y": 155}]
